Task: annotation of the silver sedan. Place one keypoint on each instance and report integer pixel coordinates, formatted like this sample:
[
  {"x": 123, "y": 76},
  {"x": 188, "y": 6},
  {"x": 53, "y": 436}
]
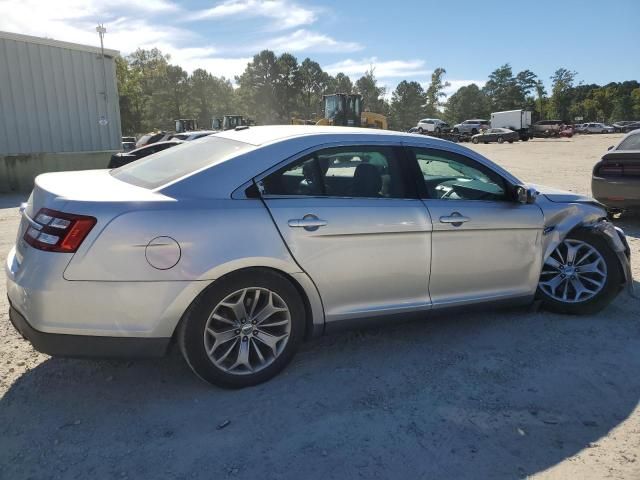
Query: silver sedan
[{"x": 238, "y": 246}]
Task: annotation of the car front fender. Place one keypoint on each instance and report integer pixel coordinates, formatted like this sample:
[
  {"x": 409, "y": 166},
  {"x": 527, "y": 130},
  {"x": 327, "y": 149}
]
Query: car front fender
[{"x": 568, "y": 217}]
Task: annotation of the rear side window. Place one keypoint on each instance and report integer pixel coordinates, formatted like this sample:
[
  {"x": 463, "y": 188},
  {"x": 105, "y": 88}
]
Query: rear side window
[
  {"x": 632, "y": 142},
  {"x": 169, "y": 165},
  {"x": 370, "y": 172}
]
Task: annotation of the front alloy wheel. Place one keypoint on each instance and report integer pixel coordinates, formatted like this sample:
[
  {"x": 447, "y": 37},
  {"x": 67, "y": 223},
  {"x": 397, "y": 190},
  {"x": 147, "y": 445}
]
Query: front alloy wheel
[{"x": 582, "y": 275}]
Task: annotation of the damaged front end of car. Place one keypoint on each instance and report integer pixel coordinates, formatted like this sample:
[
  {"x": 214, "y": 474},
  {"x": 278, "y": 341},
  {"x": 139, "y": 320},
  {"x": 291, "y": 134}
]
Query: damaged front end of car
[{"x": 564, "y": 212}]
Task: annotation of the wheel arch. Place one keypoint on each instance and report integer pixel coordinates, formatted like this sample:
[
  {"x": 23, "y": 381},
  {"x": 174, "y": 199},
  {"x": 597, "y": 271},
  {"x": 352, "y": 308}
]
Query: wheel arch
[{"x": 314, "y": 311}]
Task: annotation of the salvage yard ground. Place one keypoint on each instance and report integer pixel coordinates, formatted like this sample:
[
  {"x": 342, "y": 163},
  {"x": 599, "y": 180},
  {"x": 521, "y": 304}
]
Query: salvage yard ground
[{"x": 506, "y": 394}]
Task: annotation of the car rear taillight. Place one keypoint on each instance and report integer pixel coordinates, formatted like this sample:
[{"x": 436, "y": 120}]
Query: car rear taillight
[
  {"x": 55, "y": 231},
  {"x": 610, "y": 169}
]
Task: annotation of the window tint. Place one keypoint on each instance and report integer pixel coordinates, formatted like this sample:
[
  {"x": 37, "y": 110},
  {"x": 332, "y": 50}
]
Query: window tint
[
  {"x": 373, "y": 172},
  {"x": 450, "y": 176},
  {"x": 632, "y": 142}
]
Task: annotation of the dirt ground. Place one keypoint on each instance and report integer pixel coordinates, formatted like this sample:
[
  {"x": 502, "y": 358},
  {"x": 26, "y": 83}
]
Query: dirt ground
[{"x": 509, "y": 394}]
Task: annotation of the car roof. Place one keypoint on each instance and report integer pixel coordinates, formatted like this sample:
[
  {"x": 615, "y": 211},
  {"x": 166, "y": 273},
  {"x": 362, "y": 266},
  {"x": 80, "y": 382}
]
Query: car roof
[
  {"x": 173, "y": 141},
  {"x": 275, "y": 133}
]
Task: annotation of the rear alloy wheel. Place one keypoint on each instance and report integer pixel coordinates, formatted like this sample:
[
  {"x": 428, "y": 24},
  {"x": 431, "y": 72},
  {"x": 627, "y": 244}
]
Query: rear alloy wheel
[
  {"x": 475, "y": 140},
  {"x": 244, "y": 329},
  {"x": 581, "y": 276},
  {"x": 474, "y": 131},
  {"x": 420, "y": 130},
  {"x": 437, "y": 130},
  {"x": 500, "y": 140}
]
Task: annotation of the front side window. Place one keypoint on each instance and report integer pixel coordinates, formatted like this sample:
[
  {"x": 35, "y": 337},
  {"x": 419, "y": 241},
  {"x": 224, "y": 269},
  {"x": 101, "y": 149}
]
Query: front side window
[
  {"x": 449, "y": 176},
  {"x": 369, "y": 172}
]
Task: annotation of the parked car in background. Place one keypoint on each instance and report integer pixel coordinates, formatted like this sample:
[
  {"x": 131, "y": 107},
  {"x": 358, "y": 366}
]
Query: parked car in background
[
  {"x": 128, "y": 143},
  {"x": 432, "y": 125},
  {"x": 577, "y": 128},
  {"x": 567, "y": 131},
  {"x": 616, "y": 177},
  {"x": 150, "y": 138},
  {"x": 499, "y": 135},
  {"x": 630, "y": 127},
  {"x": 547, "y": 128},
  {"x": 516, "y": 120},
  {"x": 193, "y": 135},
  {"x": 120, "y": 159},
  {"x": 618, "y": 127},
  {"x": 471, "y": 126},
  {"x": 597, "y": 128},
  {"x": 240, "y": 245}
]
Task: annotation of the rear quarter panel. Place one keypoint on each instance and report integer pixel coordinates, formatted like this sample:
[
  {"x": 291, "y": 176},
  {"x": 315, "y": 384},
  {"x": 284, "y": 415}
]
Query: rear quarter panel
[{"x": 214, "y": 236}]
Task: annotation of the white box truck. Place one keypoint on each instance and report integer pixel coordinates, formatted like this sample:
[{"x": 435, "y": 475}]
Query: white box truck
[{"x": 516, "y": 120}]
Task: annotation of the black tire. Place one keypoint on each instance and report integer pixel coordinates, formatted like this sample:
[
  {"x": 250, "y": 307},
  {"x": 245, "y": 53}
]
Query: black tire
[
  {"x": 500, "y": 140},
  {"x": 605, "y": 296},
  {"x": 191, "y": 330},
  {"x": 525, "y": 139},
  {"x": 420, "y": 130},
  {"x": 475, "y": 141},
  {"x": 474, "y": 131},
  {"x": 510, "y": 141},
  {"x": 455, "y": 130},
  {"x": 437, "y": 130}
]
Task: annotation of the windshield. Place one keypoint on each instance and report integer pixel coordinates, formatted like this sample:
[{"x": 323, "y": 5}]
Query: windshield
[
  {"x": 332, "y": 106},
  {"x": 163, "y": 167}
]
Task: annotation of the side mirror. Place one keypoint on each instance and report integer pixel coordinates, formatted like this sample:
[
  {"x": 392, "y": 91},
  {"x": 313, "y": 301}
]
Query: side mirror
[
  {"x": 526, "y": 195},
  {"x": 611, "y": 147}
]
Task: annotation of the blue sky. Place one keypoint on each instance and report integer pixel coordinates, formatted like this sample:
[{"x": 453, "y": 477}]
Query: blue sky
[{"x": 402, "y": 39}]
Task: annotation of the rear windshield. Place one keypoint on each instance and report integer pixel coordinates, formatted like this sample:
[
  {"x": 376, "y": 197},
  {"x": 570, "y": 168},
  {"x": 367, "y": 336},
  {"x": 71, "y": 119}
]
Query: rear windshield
[
  {"x": 632, "y": 142},
  {"x": 168, "y": 165}
]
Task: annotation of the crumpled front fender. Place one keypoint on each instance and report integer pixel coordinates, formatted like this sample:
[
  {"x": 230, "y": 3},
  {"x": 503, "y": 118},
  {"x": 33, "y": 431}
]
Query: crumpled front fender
[{"x": 562, "y": 219}]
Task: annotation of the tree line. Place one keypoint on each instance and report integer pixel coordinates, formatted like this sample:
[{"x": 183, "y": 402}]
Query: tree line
[{"x": 274, "y": 89}]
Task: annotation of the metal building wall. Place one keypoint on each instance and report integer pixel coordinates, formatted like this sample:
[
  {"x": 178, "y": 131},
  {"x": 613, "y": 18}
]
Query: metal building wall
[{"x": 51, "y": 99}]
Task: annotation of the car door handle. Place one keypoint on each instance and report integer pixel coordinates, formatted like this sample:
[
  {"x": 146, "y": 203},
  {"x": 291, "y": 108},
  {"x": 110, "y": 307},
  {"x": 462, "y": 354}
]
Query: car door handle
[
  {"x": 308, "y": 222},
  {"x": 455, "y": 219}
]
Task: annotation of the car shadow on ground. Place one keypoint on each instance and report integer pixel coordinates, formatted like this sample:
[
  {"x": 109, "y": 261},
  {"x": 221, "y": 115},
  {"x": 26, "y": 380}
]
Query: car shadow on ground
[{"x": 494, "y": 395}]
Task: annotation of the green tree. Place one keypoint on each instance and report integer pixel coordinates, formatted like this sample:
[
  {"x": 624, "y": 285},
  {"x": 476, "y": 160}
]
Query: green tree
[
  {"x": 435, "y": 92},
  {"x": 561, "y": 93},
  {"x": 467, "y": 103},
  {"x": 313, "y": 83},
  {"x": 130, "y": 97},
  {"x": 407, "y": 102},
  {"x": 343, "y": 83},
  {"x": 372, "y": 93},
  {"x": 288, "y": 84},
  {"x": 257, "y": 87}
]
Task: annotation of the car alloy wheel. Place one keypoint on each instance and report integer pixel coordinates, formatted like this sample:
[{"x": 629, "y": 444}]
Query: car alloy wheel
[
  {"x": 574, "y": 272},
  {"x": 247, "y": 331},
  {"x": 500, "y": 140},
  {"x": 474, "y": 140}
]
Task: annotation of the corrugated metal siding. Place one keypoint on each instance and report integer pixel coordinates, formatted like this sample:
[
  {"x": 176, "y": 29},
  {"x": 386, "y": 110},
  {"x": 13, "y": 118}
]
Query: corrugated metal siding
[{"x": 51, "y": 100}]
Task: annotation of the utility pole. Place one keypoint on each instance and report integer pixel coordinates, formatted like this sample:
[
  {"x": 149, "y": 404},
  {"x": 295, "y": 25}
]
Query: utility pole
[{"x": 101, "y": 31}]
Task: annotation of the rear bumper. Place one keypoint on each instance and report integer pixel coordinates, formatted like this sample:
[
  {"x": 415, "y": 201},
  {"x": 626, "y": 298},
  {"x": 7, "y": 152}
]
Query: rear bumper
[
  {"x": 58, "y": 344},
  {"x": 623, "y": 193}
]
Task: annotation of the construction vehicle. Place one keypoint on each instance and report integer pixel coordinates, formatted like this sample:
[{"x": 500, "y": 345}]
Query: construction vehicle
[
  {"x": 228, "y": 122},
  {"x": 345, "y": 110},
  {"x": 186, "y": 125}
]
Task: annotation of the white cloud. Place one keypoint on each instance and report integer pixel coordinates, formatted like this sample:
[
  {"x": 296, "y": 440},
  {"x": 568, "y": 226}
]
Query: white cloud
[
  {"x": 284, "y": 13},
  {"x": 304, "y": 40},
  {"x": 409, "y": 69}
]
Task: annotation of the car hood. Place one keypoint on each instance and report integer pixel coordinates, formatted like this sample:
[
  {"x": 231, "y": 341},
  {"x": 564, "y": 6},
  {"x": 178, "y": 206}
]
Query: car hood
[{"x": 562, "y": 196}]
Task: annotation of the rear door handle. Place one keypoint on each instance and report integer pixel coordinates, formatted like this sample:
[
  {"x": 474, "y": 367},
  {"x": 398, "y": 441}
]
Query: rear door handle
[
  {"x": 454, "y": 219},
  {"x": 308, "y": 222}
]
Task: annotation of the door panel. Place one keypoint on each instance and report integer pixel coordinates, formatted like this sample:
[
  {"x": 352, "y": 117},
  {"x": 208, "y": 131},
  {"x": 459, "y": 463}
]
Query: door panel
[
  {"x": 370, "y": 257},
  {"x": 495, "y": 253}
]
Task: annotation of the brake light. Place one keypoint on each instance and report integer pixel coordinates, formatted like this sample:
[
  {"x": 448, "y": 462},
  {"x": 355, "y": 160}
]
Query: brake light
[
  {"x": 55, "y": 231},
  {"x": 610, "y": 169}
]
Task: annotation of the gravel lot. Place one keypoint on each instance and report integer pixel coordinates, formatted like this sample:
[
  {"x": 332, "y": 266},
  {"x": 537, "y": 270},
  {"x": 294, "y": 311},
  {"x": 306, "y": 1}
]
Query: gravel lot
[{"x": 506, "y": 394}]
